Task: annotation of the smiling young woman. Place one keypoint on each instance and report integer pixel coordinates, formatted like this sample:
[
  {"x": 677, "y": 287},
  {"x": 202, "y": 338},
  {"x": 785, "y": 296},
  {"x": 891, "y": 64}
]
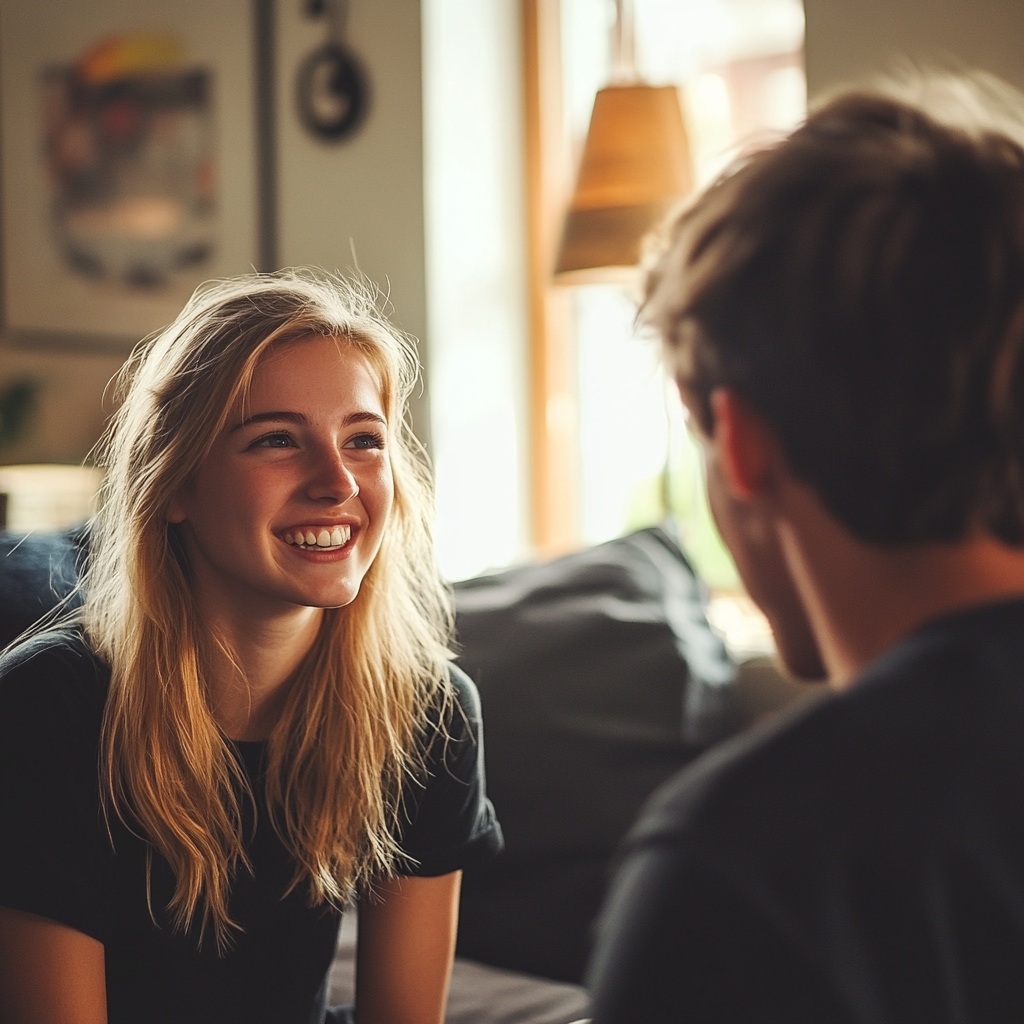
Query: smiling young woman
[{"x": 253, "y": 719}]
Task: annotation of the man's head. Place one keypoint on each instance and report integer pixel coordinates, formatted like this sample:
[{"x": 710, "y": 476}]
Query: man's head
[{"x": 861, "y": 286}]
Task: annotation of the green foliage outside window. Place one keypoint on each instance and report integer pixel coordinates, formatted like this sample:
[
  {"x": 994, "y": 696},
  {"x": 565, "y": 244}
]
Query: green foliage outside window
[{"x": 685, "y": 500}]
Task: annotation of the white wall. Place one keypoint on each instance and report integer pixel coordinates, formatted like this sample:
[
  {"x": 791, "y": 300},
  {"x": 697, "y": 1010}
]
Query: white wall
[
  {"x": 364, "y": 193},
  {"x": 476, "y": 283},
  {"x": 847, "y": 39}
]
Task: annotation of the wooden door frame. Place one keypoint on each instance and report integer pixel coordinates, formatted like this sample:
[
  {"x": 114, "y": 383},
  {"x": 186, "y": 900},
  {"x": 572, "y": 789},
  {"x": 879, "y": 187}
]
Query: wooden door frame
[{"x": 553, "y": 429}]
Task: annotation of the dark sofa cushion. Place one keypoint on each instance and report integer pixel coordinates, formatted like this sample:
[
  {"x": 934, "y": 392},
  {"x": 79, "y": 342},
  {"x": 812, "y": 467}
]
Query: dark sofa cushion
[
  {"x": 599, "y": 677},
  {"x": 37, "y": 572}
]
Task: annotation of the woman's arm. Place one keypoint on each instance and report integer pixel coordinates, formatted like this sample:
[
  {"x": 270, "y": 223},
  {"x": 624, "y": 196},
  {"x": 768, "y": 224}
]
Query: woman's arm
[
  {"x": 49, "y": 973},
  {"x": 405, "y": 950}
]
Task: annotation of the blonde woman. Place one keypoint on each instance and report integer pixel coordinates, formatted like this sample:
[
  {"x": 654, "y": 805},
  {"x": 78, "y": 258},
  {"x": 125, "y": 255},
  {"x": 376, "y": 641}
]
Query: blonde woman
[{"x": 254, "y": 718}]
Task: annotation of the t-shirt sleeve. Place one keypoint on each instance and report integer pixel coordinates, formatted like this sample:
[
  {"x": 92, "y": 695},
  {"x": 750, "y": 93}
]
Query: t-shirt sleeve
[
  {"x": 54, "y": 861},
  {"x": 450, "y": 822}
]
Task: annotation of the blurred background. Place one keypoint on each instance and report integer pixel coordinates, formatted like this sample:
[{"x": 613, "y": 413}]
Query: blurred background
[{"x": 442, "y": 147}]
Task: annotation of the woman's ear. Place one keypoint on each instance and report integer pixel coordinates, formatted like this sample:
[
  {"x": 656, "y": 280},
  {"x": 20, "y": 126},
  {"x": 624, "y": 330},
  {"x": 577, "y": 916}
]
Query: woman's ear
[
  {"x": 745, "y": 445},
  {"x": 176, "y": 510}
]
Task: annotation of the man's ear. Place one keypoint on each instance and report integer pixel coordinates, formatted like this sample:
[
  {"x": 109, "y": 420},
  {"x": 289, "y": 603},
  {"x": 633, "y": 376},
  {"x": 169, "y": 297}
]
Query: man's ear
[{"x": 745, "y": 445}]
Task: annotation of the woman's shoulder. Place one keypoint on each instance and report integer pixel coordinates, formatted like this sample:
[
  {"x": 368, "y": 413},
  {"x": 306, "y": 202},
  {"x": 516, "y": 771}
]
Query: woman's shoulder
[
  {"x": 464, "y": 691},
  {"x": 53, "y": 673},
  {"x": 450, "y": 821},
  {"x": 454, "y": 715}
]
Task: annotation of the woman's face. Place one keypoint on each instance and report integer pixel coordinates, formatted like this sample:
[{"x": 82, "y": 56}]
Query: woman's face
[{"x": 290, "y": 507}]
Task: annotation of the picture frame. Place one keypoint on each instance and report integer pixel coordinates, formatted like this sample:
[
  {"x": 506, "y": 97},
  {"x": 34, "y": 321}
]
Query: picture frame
[{"x": 177, "y": 186}]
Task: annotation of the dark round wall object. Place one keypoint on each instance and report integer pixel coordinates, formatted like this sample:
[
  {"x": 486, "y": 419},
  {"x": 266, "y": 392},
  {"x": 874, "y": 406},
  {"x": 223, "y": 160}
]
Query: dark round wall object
[{"x": 332, "y": 92}]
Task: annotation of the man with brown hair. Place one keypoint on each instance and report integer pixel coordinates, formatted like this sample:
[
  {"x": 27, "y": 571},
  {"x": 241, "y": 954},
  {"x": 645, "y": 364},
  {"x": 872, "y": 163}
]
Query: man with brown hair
[{"x": 844, "y": 313}]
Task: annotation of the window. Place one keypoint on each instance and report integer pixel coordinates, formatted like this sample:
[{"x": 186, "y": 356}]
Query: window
[
  {"x": 564, "y": 439},
  {"x": 739, "y": 67}
]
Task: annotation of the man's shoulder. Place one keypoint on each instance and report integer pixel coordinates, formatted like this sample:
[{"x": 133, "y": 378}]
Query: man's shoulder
[
  {"x": 939, "y": 717},
  {"x": 730, "y": 779}
]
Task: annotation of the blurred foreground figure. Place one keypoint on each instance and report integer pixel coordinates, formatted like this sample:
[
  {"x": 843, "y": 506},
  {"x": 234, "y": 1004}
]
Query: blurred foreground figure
[{"x": 844, "y": 314}]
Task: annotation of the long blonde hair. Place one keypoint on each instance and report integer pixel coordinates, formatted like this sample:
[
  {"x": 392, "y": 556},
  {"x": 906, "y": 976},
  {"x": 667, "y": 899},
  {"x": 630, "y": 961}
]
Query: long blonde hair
[{"x": 347, "y": 739}]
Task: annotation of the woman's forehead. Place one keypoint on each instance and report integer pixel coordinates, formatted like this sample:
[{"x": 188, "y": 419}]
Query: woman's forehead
[
  {"x": 323, "y": 369},
  {"x": 346, "y": 347}
]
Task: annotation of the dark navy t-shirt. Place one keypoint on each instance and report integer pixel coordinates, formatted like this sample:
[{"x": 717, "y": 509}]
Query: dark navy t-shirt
[
  {"x": 57, "y": 861},
  {"x": 860, "y": 862}
]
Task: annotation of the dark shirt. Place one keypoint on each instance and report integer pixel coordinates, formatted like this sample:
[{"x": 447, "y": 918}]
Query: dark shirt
[
  {"x": 860, "y": 861},
  {"x": 57, "y": 861}
]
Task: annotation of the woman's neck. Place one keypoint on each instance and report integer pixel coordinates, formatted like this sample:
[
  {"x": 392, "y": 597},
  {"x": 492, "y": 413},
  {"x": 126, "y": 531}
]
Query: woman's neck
[{"x": 253, "y": 662}]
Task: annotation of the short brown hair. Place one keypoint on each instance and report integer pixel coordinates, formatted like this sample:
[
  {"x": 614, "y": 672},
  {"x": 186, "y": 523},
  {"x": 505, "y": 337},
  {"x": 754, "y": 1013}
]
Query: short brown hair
[{"x": 862, "y": 284}]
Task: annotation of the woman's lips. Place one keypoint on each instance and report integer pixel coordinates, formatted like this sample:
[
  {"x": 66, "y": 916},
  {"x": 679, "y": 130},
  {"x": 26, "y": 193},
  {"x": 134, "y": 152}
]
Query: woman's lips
[{"x": 318, "y": 538}]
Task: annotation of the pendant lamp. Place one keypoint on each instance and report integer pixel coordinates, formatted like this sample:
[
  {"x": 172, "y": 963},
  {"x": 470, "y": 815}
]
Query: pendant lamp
[{"x": 635, "y": 167}]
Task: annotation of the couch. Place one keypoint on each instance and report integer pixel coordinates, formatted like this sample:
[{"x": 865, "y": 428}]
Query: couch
[{"x": 600, "y": 677}]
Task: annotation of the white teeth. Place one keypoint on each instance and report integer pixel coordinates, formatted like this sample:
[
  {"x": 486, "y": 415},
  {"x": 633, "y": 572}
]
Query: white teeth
[{"x": 335, "y": 537}]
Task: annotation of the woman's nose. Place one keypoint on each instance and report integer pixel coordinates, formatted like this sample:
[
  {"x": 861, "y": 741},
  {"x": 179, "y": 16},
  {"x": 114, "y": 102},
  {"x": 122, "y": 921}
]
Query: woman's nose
[{"x": 332, "y": 480}]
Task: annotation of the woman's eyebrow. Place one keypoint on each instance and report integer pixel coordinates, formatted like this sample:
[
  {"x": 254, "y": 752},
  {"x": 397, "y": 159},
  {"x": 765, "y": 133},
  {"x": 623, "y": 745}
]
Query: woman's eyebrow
[
  {"x": 360, "y": 416},
  {"x": 364, "y": 417},
  {"x": 267, "y": 417}
]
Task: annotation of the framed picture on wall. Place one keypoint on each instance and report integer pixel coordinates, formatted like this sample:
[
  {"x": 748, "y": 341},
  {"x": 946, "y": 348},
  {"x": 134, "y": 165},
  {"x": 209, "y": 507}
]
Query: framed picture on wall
[{"x": 130, "y": 141}]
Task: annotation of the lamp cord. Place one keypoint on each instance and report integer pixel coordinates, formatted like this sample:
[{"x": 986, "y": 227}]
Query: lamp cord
[{"x": 624, "y": 44}]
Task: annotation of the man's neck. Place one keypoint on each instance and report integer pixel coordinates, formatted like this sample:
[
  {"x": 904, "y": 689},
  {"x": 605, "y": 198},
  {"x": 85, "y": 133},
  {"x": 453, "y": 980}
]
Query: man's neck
[{"x": 862, "y": 598}]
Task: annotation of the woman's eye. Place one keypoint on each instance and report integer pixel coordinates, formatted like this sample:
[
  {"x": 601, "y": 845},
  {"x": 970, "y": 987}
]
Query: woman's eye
[
  {"x": 273, "y": 441},
  {"x": 366, "y": 441}
]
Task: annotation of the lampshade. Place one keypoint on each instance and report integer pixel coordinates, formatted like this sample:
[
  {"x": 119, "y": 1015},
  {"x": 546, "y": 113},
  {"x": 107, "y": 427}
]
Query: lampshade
[{"x": 635, "y": 167}]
